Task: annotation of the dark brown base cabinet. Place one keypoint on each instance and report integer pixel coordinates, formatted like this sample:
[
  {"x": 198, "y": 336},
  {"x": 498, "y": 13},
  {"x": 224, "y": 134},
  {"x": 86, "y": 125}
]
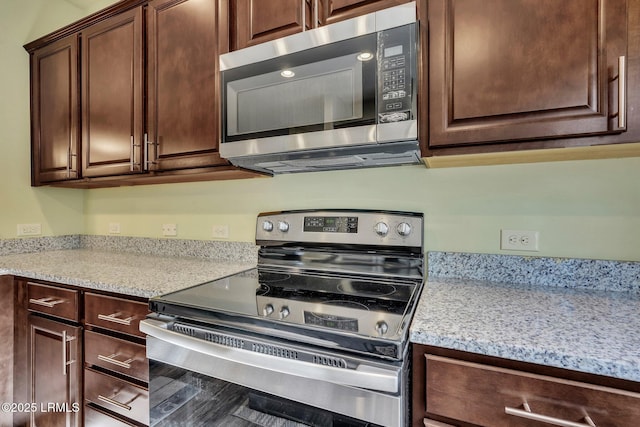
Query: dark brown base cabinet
[
  {"x": 55, "y": 362},
  {"x": 116, "y": 372},
  {"x": 83, "y": 355},
  {"x": 460, "y": 389}
]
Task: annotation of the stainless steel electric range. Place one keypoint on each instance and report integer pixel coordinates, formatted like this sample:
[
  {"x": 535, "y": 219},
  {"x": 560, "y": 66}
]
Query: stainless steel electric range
[{"x": 315, "y": 335}]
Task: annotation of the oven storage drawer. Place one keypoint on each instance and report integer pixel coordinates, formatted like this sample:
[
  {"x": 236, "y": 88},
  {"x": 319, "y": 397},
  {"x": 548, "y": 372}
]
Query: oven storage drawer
[
  {"x": 116, "y": 395},
  {"x": 53, "y": 300},
  {"x": 116, "y": 355},
  {"x": 491, "y": 396},
  {"x": 116, "y": 314}
]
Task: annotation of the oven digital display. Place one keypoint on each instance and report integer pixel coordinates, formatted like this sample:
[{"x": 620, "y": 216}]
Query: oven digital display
[
  {"x": 331, "y": 224},
  {"x": 331, "y": 321}
]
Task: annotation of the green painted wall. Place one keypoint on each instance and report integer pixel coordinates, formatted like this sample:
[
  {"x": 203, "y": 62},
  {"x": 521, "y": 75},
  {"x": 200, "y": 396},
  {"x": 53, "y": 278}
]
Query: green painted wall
[
  {"x": 60, "y": 211},
  {"x": 584, "y": 209}
]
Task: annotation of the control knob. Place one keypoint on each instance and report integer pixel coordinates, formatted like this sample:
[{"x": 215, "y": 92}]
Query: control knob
[
  {"x": 283, "y": 226},
  {"x": 403, "y": 229},
  {"x": 284, "y": 312},
  {"x": 381, "y": 229},
  {"x": 267, "y": 310},
  {"x": 267, "y": 226},
  {"x": 382, "y": 327}
]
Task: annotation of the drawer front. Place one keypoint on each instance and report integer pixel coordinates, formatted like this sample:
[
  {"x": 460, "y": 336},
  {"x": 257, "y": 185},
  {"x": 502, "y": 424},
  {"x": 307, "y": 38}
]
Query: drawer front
[
  {"x": 95, "y": 418},
  {"x": 496, "y": 397},
  {"x": 116, "y": 355},
  {"x": 52, "y": 300},
  {"x": 116, "y": 395},
  {"x": 116, "y": 314}
]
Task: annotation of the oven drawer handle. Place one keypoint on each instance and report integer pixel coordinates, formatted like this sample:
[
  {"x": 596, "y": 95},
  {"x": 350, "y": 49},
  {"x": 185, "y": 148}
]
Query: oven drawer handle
[
  {"x": 115, "y": 319},
  {"x": 527, "y": 413},
  {"x": 369, "y": 377}
]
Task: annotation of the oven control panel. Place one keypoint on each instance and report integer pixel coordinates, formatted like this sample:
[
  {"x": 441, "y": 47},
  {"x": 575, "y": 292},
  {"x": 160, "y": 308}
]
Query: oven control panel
[
  {"x": 357, "y": 227},
  {"x": 360, "y": 321}
]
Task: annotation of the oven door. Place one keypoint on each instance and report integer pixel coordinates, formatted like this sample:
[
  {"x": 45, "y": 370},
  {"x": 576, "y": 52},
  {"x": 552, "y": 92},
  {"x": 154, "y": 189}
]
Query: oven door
[{"x": 196, "y": 382}]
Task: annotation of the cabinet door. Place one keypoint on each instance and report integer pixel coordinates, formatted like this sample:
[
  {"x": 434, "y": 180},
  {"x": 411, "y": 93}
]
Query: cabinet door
[
  {"x": 54, "y": 112},
  {"x": 112, "y": 96},
  {"x": 503, "y": 70},
  {"x": 258, "y": 21},
  {"x": 55, "y": 368},
  {"x": 182, "y": 91},
  {"x": 330, "y": 11}
]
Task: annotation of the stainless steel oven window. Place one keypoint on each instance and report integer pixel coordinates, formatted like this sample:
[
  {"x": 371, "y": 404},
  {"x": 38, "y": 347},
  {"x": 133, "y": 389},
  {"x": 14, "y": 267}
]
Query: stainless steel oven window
[{"x": 180, "y": 397}]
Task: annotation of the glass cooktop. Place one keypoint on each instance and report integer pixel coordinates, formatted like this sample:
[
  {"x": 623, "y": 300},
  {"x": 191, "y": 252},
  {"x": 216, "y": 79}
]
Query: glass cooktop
[{"x": 238, "y": 294}]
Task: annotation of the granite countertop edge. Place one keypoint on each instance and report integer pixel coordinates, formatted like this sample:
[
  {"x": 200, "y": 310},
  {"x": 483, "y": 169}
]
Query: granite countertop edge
[
  {"x": 590, "y": 331},
  {"x": 137, "y": 275}
]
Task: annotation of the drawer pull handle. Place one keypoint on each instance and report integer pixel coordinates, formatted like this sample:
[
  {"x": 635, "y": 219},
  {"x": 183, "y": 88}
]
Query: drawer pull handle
[
  {"x": 115, "y": 319},
  {"x": 48, "y": 302},
  {"x": 115, "y": 402},
  {"x": 528, "y": 414},
  {"x": 112, "y": 359}
]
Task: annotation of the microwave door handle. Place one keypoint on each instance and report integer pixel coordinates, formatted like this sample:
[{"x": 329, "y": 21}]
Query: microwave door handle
[{"x": 368, "y": 377}]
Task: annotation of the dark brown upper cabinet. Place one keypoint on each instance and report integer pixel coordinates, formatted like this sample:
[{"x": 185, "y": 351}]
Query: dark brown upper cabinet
[
  {"x": 182, "y": 85},
  {"x": 258, "y": 21},
  {"x": 522, "y": 70},
  {"x": 54, "y": 109},
  {"x": 112, "y": 93},
  {"x": 130, "y": 95}
]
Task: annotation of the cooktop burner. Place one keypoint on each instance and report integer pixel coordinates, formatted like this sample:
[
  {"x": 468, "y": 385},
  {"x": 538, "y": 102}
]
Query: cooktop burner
[{"x": 360, "y": 288}]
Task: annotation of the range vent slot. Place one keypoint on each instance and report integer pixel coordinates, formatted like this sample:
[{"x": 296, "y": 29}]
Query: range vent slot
[
  {"x": 273, "y": 350},
  {"x": 186, "y": 330},
  {"x": 336, "y": 362},
  {"x": 224, "y": 340}
]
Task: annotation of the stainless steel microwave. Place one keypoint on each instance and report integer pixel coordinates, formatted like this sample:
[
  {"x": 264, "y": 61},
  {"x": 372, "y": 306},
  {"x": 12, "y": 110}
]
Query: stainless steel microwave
[{"x": 336, "y": 97}]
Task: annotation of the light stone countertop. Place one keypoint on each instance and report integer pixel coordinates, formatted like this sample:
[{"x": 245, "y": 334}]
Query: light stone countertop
[
  {"x": 125, "y": 273},
  {"x": 584, "y": 330}
]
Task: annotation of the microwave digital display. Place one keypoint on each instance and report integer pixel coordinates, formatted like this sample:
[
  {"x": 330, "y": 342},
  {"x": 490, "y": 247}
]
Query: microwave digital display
[{"x": 393, "y": 51}]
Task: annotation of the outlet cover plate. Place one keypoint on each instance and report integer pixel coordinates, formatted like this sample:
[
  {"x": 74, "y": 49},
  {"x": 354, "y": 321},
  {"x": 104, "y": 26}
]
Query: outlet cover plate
[
  {"x": 220, "y": 231},
  {"x": 519, "y": 240},
  {"x": 29, "y": 229},
  {"x": 169, "y": 229}
]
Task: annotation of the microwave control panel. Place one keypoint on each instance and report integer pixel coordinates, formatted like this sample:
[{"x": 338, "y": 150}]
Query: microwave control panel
[{"x": 396, "y": 73}]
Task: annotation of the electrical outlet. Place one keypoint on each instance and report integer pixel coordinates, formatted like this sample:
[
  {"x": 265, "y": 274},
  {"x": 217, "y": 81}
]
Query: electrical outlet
[
  {"x": 114, "y": 228},
  {"x": 220, "y": 231},
  {"x": 519, "y": 240},
  {"x": 29, "y": 229},
  {"x": 169, "y": 230}
]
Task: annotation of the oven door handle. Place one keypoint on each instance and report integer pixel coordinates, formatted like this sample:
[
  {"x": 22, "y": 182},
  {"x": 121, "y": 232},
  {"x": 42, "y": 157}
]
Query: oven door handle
[{"x": 369, "y": 377}]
